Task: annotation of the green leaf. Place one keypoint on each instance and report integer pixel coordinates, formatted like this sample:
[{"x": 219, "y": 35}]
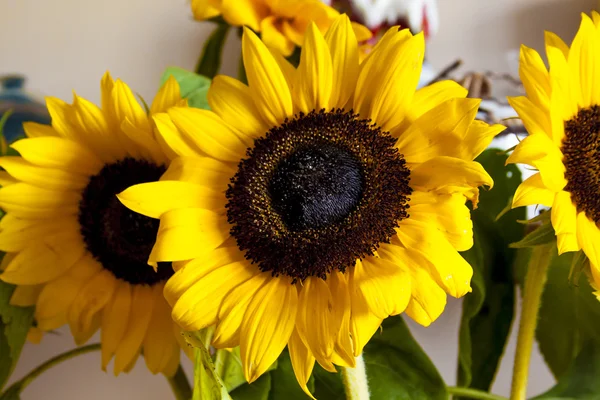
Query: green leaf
[
  {"x": 328, "y": 386},
  {"x": 3, "y": 144},
  {"x": 212, "y": 53},
  {"x": 581, "y": 380},
  {"x": 283, "y": 381},
  {"x": 13, "y": 393},
  {"x": 193, "y": 87},
  {"x": 397, "y": 367},
  {"x": 568, "y": 316},
  {"x": 543, "y": 234},
  {"x": 14, "y": 325},
  {"x": 229, "y": 364},
  {"x": 258, "y": 390},
  {"x": 207, "y": 384},
  {"x": 488, "y": 310}
]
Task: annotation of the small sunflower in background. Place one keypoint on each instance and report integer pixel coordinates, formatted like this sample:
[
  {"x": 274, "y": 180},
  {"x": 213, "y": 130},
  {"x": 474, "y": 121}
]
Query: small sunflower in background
[
  {"x": 315, "y": 202},
  {"x": 561, "y": 112},
  {"x": 281, "y": 23},
  {"x": 73, "y": 249}
]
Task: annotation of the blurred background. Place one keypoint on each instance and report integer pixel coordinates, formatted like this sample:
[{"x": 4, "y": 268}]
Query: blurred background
[{"x": 66, "y": 45}]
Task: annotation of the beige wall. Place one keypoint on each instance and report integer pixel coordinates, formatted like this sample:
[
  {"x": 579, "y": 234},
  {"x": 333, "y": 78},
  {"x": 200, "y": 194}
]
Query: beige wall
[{"x": 63, "y": 45}]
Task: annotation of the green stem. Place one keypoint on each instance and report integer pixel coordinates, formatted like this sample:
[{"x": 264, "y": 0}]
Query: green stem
[
  {"x": 180, "y": 385},
  {"x": 209, "y": 63},
  {"x": 473, "y": 393},
  {"x": 532, "y": 295},
  {"x": 355, "y": 381},
  {"x": 18, "y": 386}
]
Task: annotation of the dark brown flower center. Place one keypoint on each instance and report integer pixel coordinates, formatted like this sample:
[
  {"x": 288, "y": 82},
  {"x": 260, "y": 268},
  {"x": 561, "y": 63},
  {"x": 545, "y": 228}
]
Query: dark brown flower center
[
  {"x": 120, "y": 239},
  {"x": 581, "y": 150},
  {"x": 317, "y": 193}
]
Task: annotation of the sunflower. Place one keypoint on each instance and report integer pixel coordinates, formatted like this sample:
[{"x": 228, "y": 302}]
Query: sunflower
[
  {"x": 561, "y": 113},
  {"x": 315, "y": 202},
  {"x": 73, "y": 250},
  {"x": 282, "y": 23}
]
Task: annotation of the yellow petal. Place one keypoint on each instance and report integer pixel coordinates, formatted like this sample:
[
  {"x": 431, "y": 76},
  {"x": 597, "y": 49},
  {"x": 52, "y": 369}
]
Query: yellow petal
[
  {"x": 96, "y": 132},
  {"x": 588, "y": 236},
  {"x": 267, "y": 326},
  {"x": 533, "y": 191},
  {"x": 209, "y": 133},
  {"x": 232, "y": 101},
  {"x": 25, "y": 295},
  {"x": 341, "y": 40},
  {"x": 439, "y": 132},
  {"x": 192, "y": 271},
  {"x": 437, "y": 255},
  {"x": 564, "y": 221},
  {"x": 582, "y": 62},
  {"x": 89, "y": 303},
  {"x": 172, "y": 141},
  {"x": 431, "y": 96},
  {"x": 428, "y": 299},
  {"x": 127, "y": 107},
  {"x": 33, "y": 130},
  {"x": 204, "y": 171},
  {"x": 58, "y": 295},
  {"x": 363, "y": 323},
  {"x": 188, "y": 233},
  {"x": 244, "y": 12},
  {"x": 315, "y": 320},
  {"x": 232, "y": 311},
  {"x": 440, "y": 172},
  {"x": 553, "y": 40},
  {"x": 384, "y": 285},
  {"x": 142, "y": 306},
  {"x": 272, "y": 94},
  {"x": 198, "y": 306},
  {"x": 562, "y": 107},
  {"x": 24, "y": 233},
  {"x": 153, "y": 199},
  {"x": 302, "y": 361},
  {"x": 54, "y": 152},
  {"x": 60, "y": 113},
  {"x": 160, "y": 343},
  {"x": 534, "y": 76},
  {"x": 273, "y": 37},
  {"x": 44, "y": 177},
  {"x": 168, "y": 96},
  {"x": 203, "y": 9},
  {"x": 114, "y": 320},
  {"x": 535, "y": 120},
  {"x": 385, "y": 93},
  {"x": 448, "y": 213},
  {"x": 312, "y": 89},
  {"x": 340, "y": 291},
  {"x": 28, "y": 201},
  {"x": 45, "y": 260}
]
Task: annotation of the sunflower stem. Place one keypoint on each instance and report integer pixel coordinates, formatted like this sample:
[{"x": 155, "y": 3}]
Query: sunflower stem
[
  {"x": 180, "y": 385},
  {"x": 21, "y": 384},
  {"x": 355, "y": 381},
  {"x": 473, "y": 393},
  {"x": 532, "y": 295}
]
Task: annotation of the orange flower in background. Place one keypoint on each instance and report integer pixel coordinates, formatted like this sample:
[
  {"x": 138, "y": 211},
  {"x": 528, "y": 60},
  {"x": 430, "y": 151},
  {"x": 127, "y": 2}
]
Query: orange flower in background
[{"x": 282, "y": 23}]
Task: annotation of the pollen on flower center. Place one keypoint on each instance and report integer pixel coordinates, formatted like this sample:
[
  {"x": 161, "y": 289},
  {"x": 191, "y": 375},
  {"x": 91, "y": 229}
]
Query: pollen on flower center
[
  {"x": 316, "y": 186},
  {"x": 581, "y": 150},
  {"x": 317, "y": 193},
  {"x": 120, "y": 239}
]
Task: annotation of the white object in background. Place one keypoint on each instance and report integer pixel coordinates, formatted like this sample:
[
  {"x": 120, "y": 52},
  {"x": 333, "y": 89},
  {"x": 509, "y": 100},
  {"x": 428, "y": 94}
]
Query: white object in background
[{"x": 420, "y": 15}]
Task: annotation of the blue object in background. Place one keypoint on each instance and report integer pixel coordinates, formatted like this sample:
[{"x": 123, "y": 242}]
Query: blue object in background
[{"x": 24, "y": 107}]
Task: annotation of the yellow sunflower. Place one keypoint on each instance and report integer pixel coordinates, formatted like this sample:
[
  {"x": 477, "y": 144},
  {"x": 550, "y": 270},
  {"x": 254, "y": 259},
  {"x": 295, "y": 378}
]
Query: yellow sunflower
[
  {"x": 315, "y": 202},
  {"x": 282, "y": 23},
  {"x": 72, "y": 248},
  {"x": 561, "y": 113}
]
